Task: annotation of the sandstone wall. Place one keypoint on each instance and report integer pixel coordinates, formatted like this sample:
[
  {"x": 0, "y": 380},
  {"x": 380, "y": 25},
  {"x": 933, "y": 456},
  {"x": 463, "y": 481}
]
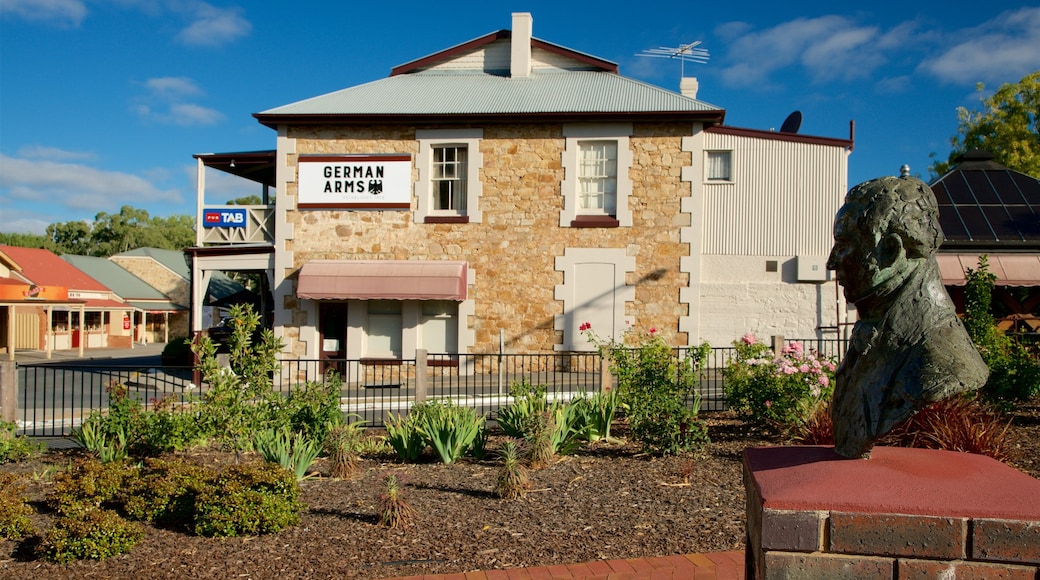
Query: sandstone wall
[{"x": 512, "y": 253}]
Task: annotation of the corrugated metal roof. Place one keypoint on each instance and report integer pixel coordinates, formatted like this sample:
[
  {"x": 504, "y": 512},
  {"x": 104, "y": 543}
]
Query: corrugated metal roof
[
  {"x": 172, "y": 259},
  {"x": 473, "y": 93},
  {"x": 45, "y": 268},
  {"x": 115, "y": 277}
]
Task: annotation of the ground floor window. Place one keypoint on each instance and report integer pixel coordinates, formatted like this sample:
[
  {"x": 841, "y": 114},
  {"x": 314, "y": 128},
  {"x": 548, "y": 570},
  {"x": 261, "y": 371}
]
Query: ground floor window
[
  {"x": 383, "y": 330},
  {"x": 439, "y": 324},
  {"x": 391, "y": 329}
]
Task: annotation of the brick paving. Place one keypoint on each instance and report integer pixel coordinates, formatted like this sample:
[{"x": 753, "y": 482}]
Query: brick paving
[{"x": 712, "y": 566}]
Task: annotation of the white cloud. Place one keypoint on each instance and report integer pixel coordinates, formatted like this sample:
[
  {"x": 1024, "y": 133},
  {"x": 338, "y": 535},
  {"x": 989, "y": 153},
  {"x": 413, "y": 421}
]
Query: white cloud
[
  {"x": 826, "y": 48},
  {"x": 1004, "y": 48},
  {"x": 212, "y": 26},
  {"x": 172, "y": 87},
  {"x": 61, "y": 13},
  {"x": 53, "y": 153},
  {"x": 189, "y": 114},
  {"x": 74, "y": 185},
  {"x": 221, "y": 187},
  {"x": 23, "y": 222},
  {"x": 165, "y": 103}
]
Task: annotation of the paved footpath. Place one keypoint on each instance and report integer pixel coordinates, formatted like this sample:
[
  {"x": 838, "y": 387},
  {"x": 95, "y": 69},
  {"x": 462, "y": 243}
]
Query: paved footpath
[{"x": 712, "y": 566}]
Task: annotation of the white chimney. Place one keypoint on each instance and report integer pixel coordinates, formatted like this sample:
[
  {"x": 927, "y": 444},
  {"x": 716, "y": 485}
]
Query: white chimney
[
  {"x": 520, "y": 45},
  {"x": 688, "y": 87}
]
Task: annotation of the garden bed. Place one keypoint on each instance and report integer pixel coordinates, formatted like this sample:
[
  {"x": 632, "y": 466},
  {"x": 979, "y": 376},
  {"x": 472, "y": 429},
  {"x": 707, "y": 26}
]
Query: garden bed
[{"x": 606, "y": 501}]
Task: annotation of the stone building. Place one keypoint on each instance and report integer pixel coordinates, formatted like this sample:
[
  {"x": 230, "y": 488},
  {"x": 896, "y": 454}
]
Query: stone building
[{"x": 504, "y": 191}]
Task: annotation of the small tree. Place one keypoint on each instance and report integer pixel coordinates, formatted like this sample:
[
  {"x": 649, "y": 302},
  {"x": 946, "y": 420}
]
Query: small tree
[
  {"x": 1014, "y": 375},
  {"x": 235, "y": 404},
  {"x": 658, "y": 389}
]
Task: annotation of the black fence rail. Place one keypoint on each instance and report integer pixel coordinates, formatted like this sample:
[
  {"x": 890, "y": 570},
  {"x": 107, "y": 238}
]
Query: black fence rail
[{"x": 53, "y": 399}]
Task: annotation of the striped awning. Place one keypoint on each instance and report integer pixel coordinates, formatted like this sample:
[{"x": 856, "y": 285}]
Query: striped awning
[{"x": 382, "y": 280}]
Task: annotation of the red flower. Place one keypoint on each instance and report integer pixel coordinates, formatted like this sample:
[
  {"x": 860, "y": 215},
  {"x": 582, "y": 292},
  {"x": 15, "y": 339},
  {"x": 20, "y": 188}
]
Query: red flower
[{"x": 585, "y": 326}]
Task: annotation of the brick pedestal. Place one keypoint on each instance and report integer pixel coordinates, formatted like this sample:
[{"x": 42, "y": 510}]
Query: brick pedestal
[{"x": 902, "y": 514}]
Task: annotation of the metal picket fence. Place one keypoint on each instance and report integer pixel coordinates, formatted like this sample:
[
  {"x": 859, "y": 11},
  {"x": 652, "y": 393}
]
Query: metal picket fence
[{"x": 52, "y": 399}]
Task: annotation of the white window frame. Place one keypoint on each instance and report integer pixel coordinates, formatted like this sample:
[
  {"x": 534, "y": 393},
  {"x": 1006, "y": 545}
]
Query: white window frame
[
  {"x": 597, "y": 177},
  {"x": 424, "y": 187},
  {"x": 570, "y": 187},
  {"x": 451, "y": 172},
  {"x": 710, "y": 166}
]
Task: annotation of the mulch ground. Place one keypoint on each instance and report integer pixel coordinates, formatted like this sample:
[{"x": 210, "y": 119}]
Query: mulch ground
[{"x": 607, "y": 501}]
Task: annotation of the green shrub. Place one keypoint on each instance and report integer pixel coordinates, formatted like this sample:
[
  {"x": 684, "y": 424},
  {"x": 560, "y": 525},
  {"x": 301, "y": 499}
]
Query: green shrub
[
  {"x": 91, "y": 534},
  {"x": 528, "y": 400},
  {"x": 531, "y": 413},
  {"x": 14, "y": 508},
  {"x": 405, "y": 436},
  {"x": 248, "y": 500},
  {"x": 239, "y": 401},
  {"x": 781, "y": 391},
  {"x": 449, "y": 429},
  {"x": 107, "y": 443},
  {"x": 15, "y": 448},
  {"x": 89, "y": 483},
  {"x": 293, "y": 451},
  {"x": 170, "y": 426},
  {"x": 177, "y": 353},
  {"x": 312, "y": 408},
  {"x": 165, "y": 492},
  {"x": 394, "y": 511},
  {"x": 656, "y": 389},
  {"x": 513, "y": 480},
  {"x": 596, "y": 413},
  {"x": 1014, "y": 372},
  {"x": 342, "y": 445}
]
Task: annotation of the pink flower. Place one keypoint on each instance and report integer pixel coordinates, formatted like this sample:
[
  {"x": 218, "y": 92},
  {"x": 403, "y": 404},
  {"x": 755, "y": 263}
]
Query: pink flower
[
  {"x": 585, "y": 326},
  {"x": 769, "y": 404},
  {"x": 804, "y": 368},
  {"x": 789, "y": 370},
  {"x": 748, "y": 339},
  {"x": 825, "y": 380}
]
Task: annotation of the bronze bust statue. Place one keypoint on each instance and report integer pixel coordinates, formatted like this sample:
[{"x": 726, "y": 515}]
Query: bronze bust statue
[{"x": 908, "y": 348}]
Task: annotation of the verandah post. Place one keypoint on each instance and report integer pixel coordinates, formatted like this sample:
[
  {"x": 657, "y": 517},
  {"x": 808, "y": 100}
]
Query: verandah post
[{"x": 8, "y": 390}]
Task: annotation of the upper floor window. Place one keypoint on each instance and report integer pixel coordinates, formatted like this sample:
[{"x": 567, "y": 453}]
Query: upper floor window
[
  {"x": 596, "y": 185},
  {"x": 449, "y": 187},
  {"x": 449, "y": 178},
  {"x": 718, "y": 166},
  {"x": 598, "y": 178}
]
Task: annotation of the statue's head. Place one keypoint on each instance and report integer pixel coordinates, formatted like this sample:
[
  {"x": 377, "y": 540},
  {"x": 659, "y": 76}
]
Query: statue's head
[{"x": 886, "y": 227}]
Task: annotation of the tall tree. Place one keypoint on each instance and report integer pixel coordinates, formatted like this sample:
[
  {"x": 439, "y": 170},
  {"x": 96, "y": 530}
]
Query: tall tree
[
  {"x": 23, "y": 240},
  {"x": 247, "y": 200},
  {"x": 111, "y": 233},
  {"x": 1008, "y": 126},
  {"x": 69, "y": 238}
]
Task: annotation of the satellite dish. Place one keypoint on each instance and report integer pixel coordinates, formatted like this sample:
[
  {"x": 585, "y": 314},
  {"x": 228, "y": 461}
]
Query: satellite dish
[{"x": 792, "y": 123}]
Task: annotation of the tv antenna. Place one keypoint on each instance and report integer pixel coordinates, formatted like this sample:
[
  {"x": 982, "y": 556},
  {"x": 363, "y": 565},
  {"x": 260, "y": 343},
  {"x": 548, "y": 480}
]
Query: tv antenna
[{"x": 684, "y": 52}]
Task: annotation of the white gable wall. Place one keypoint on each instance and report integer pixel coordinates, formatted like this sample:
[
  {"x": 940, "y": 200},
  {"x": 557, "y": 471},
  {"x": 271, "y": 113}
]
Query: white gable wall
[{"x": 777, "y": 211}]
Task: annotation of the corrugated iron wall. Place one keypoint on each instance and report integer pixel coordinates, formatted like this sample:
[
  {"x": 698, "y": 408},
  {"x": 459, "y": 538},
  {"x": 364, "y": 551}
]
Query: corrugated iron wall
[{"x": 782, "y": 199}]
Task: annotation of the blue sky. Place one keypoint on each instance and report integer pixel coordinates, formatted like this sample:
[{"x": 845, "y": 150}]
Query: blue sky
[{"x": 104, "y": 102}]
